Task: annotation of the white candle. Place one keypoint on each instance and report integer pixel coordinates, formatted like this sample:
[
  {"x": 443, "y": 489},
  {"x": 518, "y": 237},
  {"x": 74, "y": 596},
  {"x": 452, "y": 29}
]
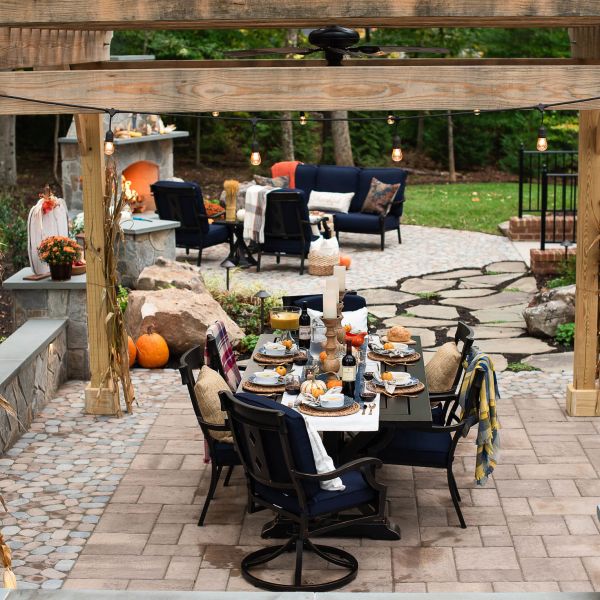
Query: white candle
[
  {"x": 330, "y": 298},
  {"x": 339, "y": 271}
]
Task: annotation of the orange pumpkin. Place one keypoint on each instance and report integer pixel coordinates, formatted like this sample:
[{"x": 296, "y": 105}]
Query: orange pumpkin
[
  {"x": 334, "y": 383},
  {"x": 345, "y": 261},
  {"x": 131, "y": 351},
  {"x": 152, "y": 350}
]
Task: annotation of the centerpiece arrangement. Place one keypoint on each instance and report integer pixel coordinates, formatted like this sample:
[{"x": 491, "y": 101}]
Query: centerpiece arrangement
[{"x": 59, "y": 253}]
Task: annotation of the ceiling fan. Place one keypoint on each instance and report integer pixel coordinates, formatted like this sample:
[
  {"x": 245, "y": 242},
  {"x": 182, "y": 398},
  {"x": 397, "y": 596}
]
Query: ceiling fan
[{"x": 336, "y": 42}]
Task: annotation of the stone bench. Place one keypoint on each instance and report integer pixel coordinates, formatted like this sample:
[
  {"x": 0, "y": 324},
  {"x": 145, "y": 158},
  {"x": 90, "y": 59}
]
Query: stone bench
[{"x": 33, "y": 363}]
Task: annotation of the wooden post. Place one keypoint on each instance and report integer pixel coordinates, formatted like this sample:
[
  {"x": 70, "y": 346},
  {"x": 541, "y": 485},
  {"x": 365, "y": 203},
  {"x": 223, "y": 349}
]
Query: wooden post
[
  {"x": 101, "y": 397},
  {"x": 582, "y": 394}
]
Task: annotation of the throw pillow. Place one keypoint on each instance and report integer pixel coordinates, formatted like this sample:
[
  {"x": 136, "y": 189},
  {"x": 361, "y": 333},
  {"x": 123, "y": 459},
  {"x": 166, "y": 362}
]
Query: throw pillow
[
  {"x": 207, "y": 388},
  {"x": 330, "y": 201},
  {"x": 357, "y": 319},
  {"x": 276, "y": 182},
  {"x": 441, "y": 370},
  {"x": 380, "y": 197}
]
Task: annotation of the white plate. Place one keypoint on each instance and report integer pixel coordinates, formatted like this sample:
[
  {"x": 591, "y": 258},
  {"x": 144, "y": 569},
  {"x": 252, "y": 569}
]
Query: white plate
[{"x": 267, "y": 383}]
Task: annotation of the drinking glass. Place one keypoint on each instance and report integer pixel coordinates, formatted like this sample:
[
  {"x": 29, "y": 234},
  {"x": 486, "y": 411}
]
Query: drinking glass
[
  {"x": 367, "y": 392},
  {"x": 317, "y": 341},
  {"x": 292, "y": 384}
]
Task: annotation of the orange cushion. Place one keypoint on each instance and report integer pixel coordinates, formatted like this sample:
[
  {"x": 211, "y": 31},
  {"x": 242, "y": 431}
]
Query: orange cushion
[{"x": 286, "y": 169}]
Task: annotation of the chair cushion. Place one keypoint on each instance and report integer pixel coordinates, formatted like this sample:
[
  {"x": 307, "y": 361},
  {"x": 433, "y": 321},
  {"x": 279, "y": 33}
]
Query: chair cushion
[
  {"x": 437, "y": 413},
  {"x": 208, "y": 385},
  {"x": 306, "y": 178},
  {"x": 298, "y": 437},
  {"x": 217, "y": 234},
  {"x": 362, "y": 223},
  {"x": 385, "y": 175},
  {"x": 441, "y": 370},
  {"x": 417, "y": 448},
  {"x": 380, "y": 197},
  {"x": 225, "y": 454},
  {"x": 357, "y": 492},
  {"x": 331, "y": 178}
]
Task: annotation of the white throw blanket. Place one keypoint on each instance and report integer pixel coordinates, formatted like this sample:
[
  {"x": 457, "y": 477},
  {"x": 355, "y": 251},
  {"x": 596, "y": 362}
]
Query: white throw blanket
[
  {"x": 323, "y": 462},
  {"x": 255, "y": 209}
]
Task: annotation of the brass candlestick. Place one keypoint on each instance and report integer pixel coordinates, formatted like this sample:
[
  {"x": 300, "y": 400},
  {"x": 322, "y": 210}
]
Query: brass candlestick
[{"x": 331, "y": 364}]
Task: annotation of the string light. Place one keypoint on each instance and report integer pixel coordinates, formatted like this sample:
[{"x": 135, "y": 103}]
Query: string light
[
  {"x": 255, "y": 158},
  {"x": 397, "y": 155},
  {"x": 476, "y": 112},
  {"x": 303, "y": 118},
  {"x": 109, "y": 138},
  {"x": 391, "y": 119},
  {"x": 542, "y": 139}
]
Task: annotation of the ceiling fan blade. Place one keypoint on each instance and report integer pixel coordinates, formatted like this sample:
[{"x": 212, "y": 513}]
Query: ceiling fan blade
[
  {"x": 388, "y": 49},
  {"x": 261, "y": 51}
]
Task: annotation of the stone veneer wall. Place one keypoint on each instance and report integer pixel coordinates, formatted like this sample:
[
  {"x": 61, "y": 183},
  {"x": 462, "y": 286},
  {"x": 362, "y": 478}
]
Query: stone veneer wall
[
  {"x": 30, "y": 376},
  {"x": 59, "y": 304}
]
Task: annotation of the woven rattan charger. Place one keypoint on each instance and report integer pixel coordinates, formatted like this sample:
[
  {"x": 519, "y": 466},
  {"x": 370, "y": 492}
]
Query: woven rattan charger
[
  {"x": 394, "y": 360},
  {"x": 344, "y": 412},
  {"x": 248, "y": 386},
  {"x": 401, "y": 391},
  {"x": 263, "y": 359}
]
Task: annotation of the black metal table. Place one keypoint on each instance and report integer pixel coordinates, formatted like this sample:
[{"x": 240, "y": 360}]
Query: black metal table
[
  {"x": 398, "y": 412},
  {"x": 239, "y": 253}
]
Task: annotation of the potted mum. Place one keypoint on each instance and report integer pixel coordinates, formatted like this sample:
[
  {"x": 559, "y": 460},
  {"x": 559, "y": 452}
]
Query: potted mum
[{"x": 59, "y": 253}]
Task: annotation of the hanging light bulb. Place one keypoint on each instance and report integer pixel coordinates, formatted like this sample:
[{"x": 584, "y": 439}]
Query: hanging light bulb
[
  {"x": 477, "y": 112},
  {"x": 109, "y": 143},
  {"x": 215, "y": 113},
  {"x": 109, "y": 138},
  {"x": 396, "y": 149},
  {"x": 255, "y": 158},
  {"x": 303, "y": 118},
  {"x": 391, "y": 119},
  {"x": 542, "y": 139}
]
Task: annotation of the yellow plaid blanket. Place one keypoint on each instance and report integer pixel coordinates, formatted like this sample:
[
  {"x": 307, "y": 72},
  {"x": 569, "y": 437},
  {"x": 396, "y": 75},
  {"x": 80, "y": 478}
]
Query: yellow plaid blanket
[{"x": 488, "y": 442}]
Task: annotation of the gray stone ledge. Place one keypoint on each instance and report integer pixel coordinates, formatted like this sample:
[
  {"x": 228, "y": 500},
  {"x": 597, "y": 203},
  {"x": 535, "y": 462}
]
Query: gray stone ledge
[
  {"x": 16, "y": 282},
  {"x": 141, "y": 227},
  {"x": 25, "y": 343}
]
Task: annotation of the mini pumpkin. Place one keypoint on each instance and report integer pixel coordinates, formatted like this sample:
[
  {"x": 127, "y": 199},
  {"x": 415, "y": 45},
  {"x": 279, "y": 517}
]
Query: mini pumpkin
[
  {"x": 334, "y": 383},
  {"x": 310, "y": 386},
  {"x": 131, "y": 351},
  {"x": 152, "y": 350}
]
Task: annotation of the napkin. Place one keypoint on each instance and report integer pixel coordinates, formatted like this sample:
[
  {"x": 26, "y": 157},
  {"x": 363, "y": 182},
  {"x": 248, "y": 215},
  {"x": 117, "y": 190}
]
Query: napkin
[{"x": 323, "y": 461}]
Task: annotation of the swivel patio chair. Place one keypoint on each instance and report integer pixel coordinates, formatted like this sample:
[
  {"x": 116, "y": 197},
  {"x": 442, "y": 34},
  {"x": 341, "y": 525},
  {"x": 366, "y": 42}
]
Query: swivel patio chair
[
  {"x": 432, "y": 447},
  {"x": 275, "y": 449},
  {"x": 287, "y": 228},
  {"x": 222, "y": 454},
  {"x": 182, "y": 201}
]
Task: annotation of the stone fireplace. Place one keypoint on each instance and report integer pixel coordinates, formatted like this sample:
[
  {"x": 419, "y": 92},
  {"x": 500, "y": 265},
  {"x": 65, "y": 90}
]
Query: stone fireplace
[{"x": 142, "y": 160}]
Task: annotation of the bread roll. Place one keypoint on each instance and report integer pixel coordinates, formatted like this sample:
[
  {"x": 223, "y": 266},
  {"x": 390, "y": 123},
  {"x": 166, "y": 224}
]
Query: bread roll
[{"x": 398, "y": 334}]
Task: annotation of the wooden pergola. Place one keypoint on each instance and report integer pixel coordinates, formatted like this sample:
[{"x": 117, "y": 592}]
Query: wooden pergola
[{"x": 69, "y": 40}]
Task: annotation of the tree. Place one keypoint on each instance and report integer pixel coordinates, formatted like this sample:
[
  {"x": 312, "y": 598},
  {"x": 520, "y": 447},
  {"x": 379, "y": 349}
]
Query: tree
[
  {"x": 340, "y": 137},
  {"x": 8, "y": 155}
]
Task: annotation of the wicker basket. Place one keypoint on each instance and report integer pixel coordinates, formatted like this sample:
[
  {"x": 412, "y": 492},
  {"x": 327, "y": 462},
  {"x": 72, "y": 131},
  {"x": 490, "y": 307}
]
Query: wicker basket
[{"x": 322, "y": 266}]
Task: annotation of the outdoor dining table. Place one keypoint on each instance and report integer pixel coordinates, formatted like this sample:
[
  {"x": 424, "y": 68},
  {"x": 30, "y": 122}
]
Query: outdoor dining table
[{"x": 389, "y": 413}]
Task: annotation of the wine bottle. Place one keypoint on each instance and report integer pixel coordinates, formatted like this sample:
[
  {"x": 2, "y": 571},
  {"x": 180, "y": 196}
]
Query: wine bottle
[
  {"x": 348, "y": 371},
  {"x": 304, "y": 328}
]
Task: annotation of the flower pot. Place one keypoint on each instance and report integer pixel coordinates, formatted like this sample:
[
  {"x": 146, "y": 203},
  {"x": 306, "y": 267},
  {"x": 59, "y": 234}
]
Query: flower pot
[{"x": 61, "y": 271}]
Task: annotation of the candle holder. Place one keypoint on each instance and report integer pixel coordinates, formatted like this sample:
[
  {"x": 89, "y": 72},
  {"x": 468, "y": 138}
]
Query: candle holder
[
  {"x": 341, "y": 332},
  {"x": 331, "y": 364}
]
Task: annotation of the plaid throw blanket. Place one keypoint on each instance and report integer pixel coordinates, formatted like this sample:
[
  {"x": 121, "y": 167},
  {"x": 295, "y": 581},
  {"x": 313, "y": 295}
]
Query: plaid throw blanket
[
  {"x": 488, "y": 442},
  {"x": 225, "y": 350},
  {"x": 255, "y": 207}
]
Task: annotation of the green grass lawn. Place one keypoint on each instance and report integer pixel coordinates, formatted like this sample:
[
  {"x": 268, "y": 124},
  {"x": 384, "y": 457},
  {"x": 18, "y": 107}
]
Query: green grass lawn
[{"x": 470, "y": 206}]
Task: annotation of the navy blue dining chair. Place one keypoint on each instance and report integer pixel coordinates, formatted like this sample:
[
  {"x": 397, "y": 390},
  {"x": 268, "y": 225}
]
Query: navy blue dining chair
[
  {"x": 276, "y": 453},
  {"x": 352, "y": 301}
]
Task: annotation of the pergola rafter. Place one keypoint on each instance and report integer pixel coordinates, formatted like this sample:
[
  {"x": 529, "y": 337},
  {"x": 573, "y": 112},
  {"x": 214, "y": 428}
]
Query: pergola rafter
[{"x": 198, "y": 14}]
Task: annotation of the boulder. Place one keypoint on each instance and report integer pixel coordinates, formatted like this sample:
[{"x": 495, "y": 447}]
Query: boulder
[
  {"x": 181, "y": 316},
  {"x": 550, "y": 309},
  {"x": 165, "y": 273}
]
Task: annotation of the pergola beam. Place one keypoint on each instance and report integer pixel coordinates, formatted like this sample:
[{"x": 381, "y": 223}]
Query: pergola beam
[
  {"x": 197, "y": 14},
  {"x": 23, "y": 48},
  {"x": 304, "y": 88}
]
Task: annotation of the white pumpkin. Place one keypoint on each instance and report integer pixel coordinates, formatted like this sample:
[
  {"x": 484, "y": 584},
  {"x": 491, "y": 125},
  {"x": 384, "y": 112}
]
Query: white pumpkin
[
  {"x": 311, "y": 385},
  {"x": 40, "y": 226}
]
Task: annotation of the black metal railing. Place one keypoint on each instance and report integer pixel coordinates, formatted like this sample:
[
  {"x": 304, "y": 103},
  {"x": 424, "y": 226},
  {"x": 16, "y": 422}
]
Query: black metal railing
[
  {"x": 558, "y": 195},
  {"x": 530, "y": 174}
]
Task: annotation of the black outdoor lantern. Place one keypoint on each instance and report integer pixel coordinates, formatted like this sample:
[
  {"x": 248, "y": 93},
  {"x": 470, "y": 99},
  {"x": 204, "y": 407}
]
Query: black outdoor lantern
[
  {"x": 228, "y": 265},
  {"x": 262, "y": 295}
]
